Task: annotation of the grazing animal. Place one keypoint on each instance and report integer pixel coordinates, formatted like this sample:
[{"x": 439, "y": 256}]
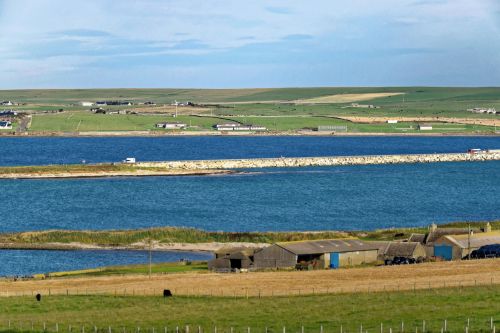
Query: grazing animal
[
  {"x": 38, "y": 297},
  {"x": 167, "y": 293}
]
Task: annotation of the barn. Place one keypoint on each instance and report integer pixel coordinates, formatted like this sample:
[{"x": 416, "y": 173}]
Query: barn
[
  {"x": 232, "y": 258},
  {"x": 413, "y": 250},
  {"x": 456, "y": 247},
  {"x": 318, "y": 254}
]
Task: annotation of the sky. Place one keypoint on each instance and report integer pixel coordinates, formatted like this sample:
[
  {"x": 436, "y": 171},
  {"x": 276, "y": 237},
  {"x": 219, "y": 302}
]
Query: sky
[{"x": 244, "y": 44}]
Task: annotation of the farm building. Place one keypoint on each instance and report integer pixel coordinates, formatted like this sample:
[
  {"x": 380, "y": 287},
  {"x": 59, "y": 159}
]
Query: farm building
[
  {"x": 86, "y": 103},
  {"x": 232, "y": 258},
  {"x": 424, "y": 127},
  {"x": 456, "y": 247},
  {"x": 390, "y": 250},
  {"x": 412, "y": 250},
  {"x": 318, "y": 254},
  {"x": 175, "y": 125},
  {"x": 435, "y": 233}
]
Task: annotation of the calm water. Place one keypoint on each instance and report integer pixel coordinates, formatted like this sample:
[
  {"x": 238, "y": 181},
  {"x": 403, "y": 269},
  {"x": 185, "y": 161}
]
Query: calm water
[
  {"x": 353, "y": 197},
  {"x": 24, "y": 262},
  {"x": 26, "y": 151},
  {"x": 350, "y": 197}
]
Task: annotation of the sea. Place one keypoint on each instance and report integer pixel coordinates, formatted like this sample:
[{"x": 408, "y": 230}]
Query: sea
[{"x": 286, "y": 199}]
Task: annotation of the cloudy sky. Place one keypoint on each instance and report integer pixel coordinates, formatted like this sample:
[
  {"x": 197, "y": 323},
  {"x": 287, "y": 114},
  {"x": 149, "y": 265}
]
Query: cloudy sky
[{"x": 258, "y": 43}]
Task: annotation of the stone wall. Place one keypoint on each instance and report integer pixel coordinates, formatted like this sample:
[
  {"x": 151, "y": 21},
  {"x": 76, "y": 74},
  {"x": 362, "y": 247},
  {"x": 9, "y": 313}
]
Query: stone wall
[{"x": 321, "y": 161}]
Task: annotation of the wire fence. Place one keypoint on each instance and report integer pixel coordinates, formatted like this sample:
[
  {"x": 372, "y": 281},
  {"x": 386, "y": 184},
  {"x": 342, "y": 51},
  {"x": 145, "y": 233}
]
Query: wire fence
[
  {"x": 337, "y": 287},
  {"x": 468, "y": 325}
]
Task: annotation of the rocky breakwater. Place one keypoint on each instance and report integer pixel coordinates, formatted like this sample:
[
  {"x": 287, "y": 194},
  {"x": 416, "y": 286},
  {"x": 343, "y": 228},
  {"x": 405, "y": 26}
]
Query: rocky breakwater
[{"x": 321, "y": 161}]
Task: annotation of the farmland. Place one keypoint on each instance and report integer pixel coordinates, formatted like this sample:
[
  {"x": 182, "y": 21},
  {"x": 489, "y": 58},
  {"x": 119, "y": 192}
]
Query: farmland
[
  {"x": 280, "y": 110},
  {"x": 128, "y": 313},
  {"x": 283, "y": 283}
]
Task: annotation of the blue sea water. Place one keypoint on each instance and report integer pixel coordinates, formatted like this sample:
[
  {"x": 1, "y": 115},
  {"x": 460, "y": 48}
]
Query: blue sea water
[
  {"x": 28, "y": 262},
  {"x": 320, "y": 198},
  {"x": 59, "y": 150}
]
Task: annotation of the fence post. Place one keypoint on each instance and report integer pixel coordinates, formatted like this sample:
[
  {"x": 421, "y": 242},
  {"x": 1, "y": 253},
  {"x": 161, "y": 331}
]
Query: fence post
[
  {"x": 423, "y": 326},
  {"x": 381, "y": 328},
  {"x": 44, "y": 326},
  {"x": 57, "y": 327},
  {"x": 69, "y": 329},
  {"x": 445, "y": 325},
  {"x": 321, "y": 329},
  {"x": 402, "y": 326},
  {"x": 187, "y": 329},
  {"x": 284, "y": 329}
]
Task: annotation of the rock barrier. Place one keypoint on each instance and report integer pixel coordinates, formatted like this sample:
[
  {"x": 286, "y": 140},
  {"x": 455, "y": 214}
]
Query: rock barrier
[{"x": 287, "y": 162}]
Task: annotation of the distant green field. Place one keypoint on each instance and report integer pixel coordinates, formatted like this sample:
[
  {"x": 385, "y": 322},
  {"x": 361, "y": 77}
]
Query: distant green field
[
  {"x": 86, "y": 121},
  {"x": 354, "y": 312},
  {"x": 414, "y": 102}
]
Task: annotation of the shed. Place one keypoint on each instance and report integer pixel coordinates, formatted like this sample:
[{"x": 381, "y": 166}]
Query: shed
[
  {"x": 233, "y": 258},
  {"x": 424, "y": 127},
  {"x": 413, "y": 250},
  {"x": 318, "y": 254},
  {"x": 456, "y": 247}
]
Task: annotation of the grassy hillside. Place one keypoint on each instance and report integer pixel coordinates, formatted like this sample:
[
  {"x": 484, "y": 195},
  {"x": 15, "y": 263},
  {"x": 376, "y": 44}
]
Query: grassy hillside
[{"x": 330, "y": 311}]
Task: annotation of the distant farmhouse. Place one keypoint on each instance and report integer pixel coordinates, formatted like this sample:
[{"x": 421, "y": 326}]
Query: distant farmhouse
[
  {"x": 171, "y": 125},
  {"x": 483, "y": 110},
  {"x": 86, "y": 103},
  {"x": 7, "y": 103},
  {"x": 424, "y": 127},
  {"x": 455, "y": 243},
  {"x": 238, "y": 127}
]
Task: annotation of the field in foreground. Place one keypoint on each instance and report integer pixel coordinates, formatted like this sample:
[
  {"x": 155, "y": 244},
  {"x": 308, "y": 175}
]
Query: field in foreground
[{"x": 478, "y": 306}]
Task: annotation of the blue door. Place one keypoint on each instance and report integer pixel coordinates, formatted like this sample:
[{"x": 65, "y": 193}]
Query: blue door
[
  {"x": 443, "y": 251},
  {"x": 334, "y": 260}
]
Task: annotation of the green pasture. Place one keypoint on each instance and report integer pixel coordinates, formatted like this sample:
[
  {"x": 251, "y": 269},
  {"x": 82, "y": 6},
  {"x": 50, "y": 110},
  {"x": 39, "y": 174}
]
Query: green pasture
[
  {"x": 87, "y": 121},
  {"x": 353, "y": 312}
]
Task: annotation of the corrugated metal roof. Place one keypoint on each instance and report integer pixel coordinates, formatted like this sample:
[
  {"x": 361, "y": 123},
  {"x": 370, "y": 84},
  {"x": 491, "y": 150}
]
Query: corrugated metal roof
[
  {"x": 420, "y": 238},
  {"x": 327, "y": 245},
  {"x": 476, "y": 240},
  {"x": 399, "y": 249}
]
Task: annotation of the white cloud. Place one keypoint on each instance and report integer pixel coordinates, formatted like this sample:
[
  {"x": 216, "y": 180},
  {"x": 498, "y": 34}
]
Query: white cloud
[{"x": 50, "y": 37}]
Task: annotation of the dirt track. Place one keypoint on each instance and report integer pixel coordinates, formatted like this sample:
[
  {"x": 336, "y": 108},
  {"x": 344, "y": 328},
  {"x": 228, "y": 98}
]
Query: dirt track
[{"x": 422, "y": 276}]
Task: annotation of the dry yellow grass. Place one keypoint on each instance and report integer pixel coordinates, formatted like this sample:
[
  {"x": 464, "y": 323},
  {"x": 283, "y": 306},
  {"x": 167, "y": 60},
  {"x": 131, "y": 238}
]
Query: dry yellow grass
[
  {"x": 422, "y": 276},
  {"x": 345, "y": 98}
]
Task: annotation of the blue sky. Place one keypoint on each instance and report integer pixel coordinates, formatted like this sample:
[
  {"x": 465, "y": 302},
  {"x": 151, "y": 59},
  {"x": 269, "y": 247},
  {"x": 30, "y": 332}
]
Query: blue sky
[{"x": 226, "y": 44}]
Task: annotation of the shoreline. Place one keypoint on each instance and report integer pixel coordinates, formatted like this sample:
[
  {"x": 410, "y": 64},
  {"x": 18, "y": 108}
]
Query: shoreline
[
  {"x": 139, "y": 246},
  {"x": 154, "y": 134},
  {"x": 113, "y": 174}
]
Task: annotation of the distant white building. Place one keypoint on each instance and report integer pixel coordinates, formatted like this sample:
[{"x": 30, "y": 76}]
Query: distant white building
[
  {"x": 5, "y": 125},
  {"x": 239, "y": 127},
  {"x": 87, "y": 103},
  {"x": 175, "y": 125},
  {"x": 7, "y": 103},
  {"x": 392, "y": 121},
  {"x": 424, "y": 127},
  {"x": 483, "y": 110}
]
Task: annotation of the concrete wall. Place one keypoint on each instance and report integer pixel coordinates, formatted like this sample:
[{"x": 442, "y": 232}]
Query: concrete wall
[{"x": 319, "y": 161}]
